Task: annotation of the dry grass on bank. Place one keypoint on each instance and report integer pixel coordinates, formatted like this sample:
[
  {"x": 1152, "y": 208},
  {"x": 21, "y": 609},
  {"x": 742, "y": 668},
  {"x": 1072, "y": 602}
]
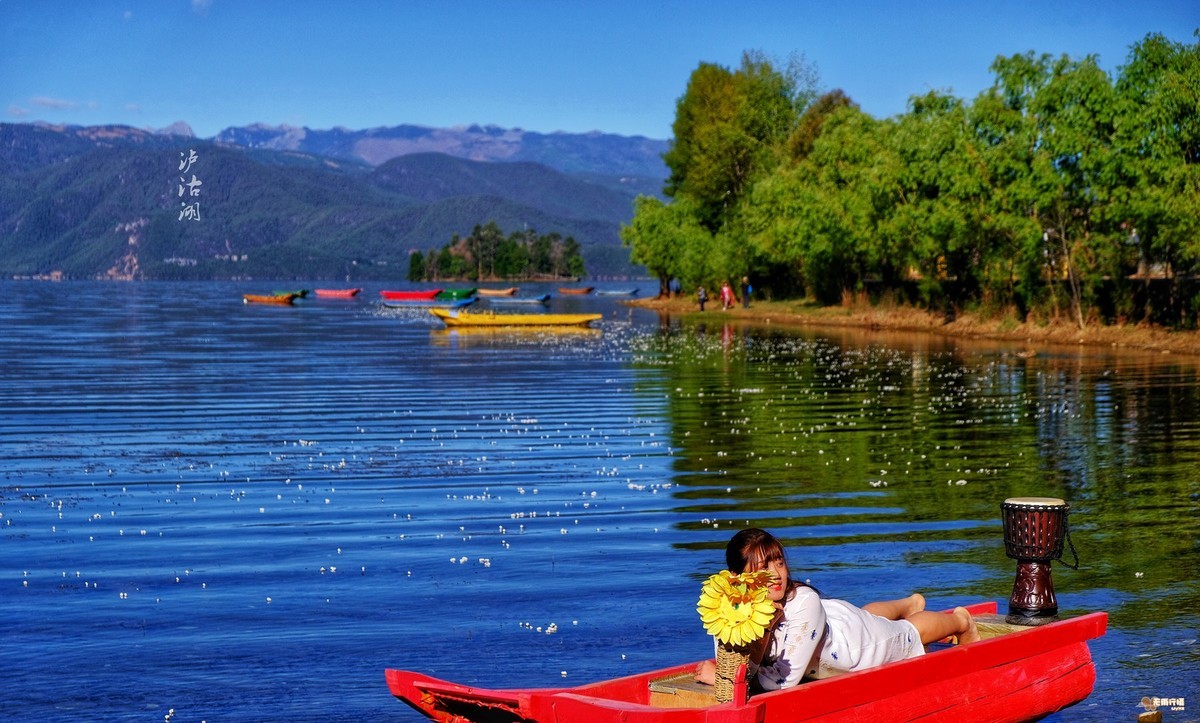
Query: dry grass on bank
[{"x": 905, "y": 318}]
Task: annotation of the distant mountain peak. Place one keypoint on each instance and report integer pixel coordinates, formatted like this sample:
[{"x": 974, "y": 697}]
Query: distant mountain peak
[{"x": 178, "y": 128}]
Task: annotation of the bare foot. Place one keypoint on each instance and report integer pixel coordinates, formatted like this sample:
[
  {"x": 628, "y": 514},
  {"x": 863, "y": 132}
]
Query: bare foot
[{"x": 971, "y": 635}]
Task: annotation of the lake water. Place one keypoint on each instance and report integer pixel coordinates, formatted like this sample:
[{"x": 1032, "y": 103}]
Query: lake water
[{"x": 214, "y": 511}]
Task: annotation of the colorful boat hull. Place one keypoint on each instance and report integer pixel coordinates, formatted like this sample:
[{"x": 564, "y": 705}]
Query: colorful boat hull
[
  {"x": 455, "y": 293},
  {"x": 497, "y": 292},
  {"x": 285, "y": 298},
  {"x": 1013, "y": 676},
  {"x": 434, "y": 303},
  {"x": 509, "y": 300},
  {"x": 422, "y": 295},
  {"x": 452, "y": 318},
  {"x": 336, "y": 293}
]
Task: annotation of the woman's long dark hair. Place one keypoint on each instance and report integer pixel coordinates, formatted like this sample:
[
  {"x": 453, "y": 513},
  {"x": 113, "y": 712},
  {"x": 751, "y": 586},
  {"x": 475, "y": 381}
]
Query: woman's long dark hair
[{"x": 751, "y": 548}]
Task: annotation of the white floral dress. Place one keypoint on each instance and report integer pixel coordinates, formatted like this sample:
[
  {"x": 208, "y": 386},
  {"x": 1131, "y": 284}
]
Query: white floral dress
[{"x": 820, "y": 638}]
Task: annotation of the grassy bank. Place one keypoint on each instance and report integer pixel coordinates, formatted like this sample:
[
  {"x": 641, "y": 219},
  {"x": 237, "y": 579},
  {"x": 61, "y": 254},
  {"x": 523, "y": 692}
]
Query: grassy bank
[{"x": 902, "y": 318}]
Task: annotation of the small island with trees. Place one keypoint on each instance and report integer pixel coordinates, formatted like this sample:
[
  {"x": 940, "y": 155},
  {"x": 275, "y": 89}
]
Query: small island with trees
[{"x": 488, "y": 255}]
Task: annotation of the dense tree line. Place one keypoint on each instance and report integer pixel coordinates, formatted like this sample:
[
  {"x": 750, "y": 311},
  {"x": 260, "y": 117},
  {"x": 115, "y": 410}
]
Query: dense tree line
[
  {"x": 1058, "y": 192},
  {"x": 487, "y": 254}
]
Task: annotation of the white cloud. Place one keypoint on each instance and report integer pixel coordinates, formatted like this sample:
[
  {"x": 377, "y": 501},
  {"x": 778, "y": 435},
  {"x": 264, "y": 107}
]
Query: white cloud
[
  {"x": 17, "y": 111},
  {"x": 200, "y": 7},
  {"x": 43, "y": 101}
]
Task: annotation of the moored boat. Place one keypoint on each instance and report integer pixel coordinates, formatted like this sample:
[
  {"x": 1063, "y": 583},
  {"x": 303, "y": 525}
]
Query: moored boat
[
  {"x": 336, "y": 293},
  {"x": 298, "y": 293},
  {"x": 455, "y": 293},
  {"x": 505, "y": 300},
  {"x": 576, "y": 291},
  {"x": 435, "y": 302},
  {"x": 1014, "y": 673},
  {"x": 454, "y": 318},
  {"x": 497, "y": 292},
  {"x": 418, "y": 295},
  {"x": 284, "y": 298},
  {"x": 617, "y": 292}
]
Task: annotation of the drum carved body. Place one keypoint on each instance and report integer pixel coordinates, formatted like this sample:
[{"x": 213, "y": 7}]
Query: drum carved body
[{"x": 1034, "y": 528}]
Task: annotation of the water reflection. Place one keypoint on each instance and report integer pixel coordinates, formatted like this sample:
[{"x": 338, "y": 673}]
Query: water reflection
[{"x": 855, "y": 439}]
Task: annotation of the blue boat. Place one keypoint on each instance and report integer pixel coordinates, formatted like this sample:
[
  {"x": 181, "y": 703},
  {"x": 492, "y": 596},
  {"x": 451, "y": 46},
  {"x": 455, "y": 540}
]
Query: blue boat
[{"x": 544, "y": 298}]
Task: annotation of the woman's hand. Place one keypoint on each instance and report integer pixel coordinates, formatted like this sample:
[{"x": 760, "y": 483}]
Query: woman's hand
[{"x": 706, "y": 672}]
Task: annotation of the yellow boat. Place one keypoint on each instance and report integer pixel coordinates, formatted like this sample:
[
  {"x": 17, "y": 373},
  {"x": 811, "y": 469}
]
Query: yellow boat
[
  {"x": 452, "y": 317},
  {"x": 281, "y": 298}
]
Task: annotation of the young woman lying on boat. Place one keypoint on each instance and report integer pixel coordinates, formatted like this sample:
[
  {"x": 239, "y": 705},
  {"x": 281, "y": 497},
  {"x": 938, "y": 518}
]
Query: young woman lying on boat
[{"x": 814, "y": 637}]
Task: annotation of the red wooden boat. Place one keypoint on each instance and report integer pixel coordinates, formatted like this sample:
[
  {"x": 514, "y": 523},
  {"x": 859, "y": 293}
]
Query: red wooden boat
[
  {"x": 1014, "y": 673},
  {"x": 337, "y": 293},
  {"x": 580, "y": 291},
  {"x": 424, "y": 295}
]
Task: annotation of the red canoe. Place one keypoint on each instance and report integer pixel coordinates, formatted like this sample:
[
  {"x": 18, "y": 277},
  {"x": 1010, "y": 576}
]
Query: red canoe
[
  {"x": 1015, "y": 673},
  {"x": 337, "y": 293},
  {"x": 425, "y": 295}
]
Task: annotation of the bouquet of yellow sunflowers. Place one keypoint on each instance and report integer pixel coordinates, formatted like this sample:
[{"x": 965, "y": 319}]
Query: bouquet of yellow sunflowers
[{"x": 736, "y": 610}]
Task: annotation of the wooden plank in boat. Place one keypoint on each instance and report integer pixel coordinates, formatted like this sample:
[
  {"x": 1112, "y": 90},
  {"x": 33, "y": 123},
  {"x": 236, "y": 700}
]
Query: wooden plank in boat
[{"x": 681, "y": 691}]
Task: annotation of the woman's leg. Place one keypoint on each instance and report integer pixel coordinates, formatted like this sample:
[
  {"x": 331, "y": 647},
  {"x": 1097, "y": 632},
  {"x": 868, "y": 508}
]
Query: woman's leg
[
  {"x": 936, "y": 626},
  {"x": 897, "y": 609}
]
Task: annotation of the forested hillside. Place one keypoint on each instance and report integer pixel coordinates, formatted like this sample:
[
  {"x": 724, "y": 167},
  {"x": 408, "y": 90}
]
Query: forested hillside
[{"x": 110, "y": 202}]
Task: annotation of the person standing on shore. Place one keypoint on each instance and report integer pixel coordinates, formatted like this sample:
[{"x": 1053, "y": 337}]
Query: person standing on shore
[
  {"x": 747, "y": 289},
  {"x": 726, "y": 295},
  {"x": 702, "y": 296}
]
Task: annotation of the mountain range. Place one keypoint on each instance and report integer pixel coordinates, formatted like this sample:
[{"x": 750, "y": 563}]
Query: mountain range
[{"x": 284, "y": 202}]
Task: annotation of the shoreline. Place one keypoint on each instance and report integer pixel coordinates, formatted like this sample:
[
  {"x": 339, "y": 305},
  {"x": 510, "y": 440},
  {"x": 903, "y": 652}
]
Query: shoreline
[{"x": 900, "y": 318}]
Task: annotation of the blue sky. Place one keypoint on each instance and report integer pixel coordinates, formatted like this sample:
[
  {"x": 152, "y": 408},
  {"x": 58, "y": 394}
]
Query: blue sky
[{"x": 541, "y": 65}]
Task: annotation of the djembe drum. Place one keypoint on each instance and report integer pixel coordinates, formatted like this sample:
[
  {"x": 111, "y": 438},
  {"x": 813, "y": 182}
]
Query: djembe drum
[{"x": 1034, "y": 530}]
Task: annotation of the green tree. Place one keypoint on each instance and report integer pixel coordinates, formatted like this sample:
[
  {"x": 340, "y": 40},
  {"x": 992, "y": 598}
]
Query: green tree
[
  {"x": 729, "y": 128},
  {"x": 416, "y": 266},
  {"x": 668, "y": 240},
  {"x": 432, "y": 260},
  {"x": 572, "y": 258},
  {"x": 482, "y": 246},
  {"x": 512, "y": 257},
  {"x": 934, "y": 227},
  {"x": 1157, "y": 143},
  {"x": 802, "y": 137},
  {"x": 1062, "y": 111}
]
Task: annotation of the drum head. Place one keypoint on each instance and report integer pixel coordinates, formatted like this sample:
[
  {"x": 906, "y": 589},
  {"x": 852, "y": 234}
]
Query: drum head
[{"x": 1035, "y": 501}]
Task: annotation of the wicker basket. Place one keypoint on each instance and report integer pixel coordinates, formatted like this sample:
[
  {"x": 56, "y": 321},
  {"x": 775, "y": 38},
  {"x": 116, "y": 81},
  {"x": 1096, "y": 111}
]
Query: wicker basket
[{"x": 729, "y": 659}]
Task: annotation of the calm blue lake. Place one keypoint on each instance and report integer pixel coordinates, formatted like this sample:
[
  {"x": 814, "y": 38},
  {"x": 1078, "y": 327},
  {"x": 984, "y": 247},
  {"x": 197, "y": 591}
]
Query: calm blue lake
[{"x": 215, "y": 511}]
